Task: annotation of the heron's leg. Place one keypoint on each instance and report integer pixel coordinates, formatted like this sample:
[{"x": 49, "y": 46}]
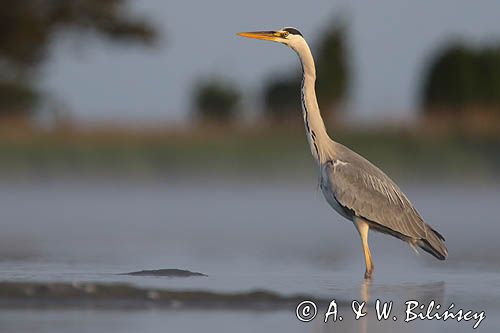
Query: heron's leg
[{"x": 363, "y": 228}]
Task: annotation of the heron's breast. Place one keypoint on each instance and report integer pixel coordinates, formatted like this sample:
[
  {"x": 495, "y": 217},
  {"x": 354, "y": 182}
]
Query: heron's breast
[{"x": 329, "y": 195}]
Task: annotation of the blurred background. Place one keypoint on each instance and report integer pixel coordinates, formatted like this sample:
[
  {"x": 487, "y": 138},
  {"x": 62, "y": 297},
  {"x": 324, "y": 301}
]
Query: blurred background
[
  {"x": 153, "y": 87},
  {"x": 146, "y": 134}
]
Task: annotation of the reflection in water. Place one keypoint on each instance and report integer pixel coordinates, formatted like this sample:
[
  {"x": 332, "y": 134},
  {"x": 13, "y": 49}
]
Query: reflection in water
[
  {"x": 365, "y": 290},
  {"x": 398, "y": 294}
]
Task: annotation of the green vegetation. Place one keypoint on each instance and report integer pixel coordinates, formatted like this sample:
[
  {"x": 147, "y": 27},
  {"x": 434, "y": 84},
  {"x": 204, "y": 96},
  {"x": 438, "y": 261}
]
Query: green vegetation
[
  {"x": 29, "y": 29},
  {"x": 216, "y": 100},
  {"x": 274, "y": 153},
  {"x": 461, "y": 77}
]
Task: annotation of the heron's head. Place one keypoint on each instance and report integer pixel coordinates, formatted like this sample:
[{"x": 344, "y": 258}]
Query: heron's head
[{"x": 288, "y": 36}]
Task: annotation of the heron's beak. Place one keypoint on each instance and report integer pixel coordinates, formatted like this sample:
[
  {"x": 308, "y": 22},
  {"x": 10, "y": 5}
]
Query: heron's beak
[{"x": 264, "y": 35}]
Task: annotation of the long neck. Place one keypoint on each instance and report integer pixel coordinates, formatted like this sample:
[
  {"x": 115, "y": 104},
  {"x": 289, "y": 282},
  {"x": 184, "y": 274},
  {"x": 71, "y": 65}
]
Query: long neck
[{"x": 319, "y": 141}]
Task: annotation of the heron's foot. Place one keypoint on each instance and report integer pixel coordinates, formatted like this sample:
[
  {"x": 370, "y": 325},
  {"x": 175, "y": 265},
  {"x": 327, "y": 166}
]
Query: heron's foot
[{"x": 368, "y": 274}]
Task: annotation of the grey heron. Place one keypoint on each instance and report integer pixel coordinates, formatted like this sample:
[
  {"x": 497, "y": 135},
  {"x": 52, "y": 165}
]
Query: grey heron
[{"x": 354, "y": 187}]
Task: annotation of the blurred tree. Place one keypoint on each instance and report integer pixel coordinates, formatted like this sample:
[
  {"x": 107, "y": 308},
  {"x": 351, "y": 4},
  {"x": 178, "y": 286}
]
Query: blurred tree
[
  {"x": 16, "y": 96},
  {"x": 216, "y": 100},
  {"x": 28, "y": 28},
  {"x": 331, "y": 65},
  {"x": 281, "y": 95},
  {"x": 459, "y": 77},
  {"x": 489, "y": 75}
]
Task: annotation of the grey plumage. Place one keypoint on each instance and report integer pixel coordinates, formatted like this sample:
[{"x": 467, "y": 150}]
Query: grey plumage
[
  {"x": 363, "y": 190},
  {"x": 354, "y": 187}
]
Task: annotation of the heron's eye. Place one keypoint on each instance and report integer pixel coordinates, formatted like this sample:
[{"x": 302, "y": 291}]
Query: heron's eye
[{"x": 285, "y": 34}]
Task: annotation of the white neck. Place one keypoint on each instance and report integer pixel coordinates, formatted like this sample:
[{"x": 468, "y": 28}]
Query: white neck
[{"x": 319, "y": 141}]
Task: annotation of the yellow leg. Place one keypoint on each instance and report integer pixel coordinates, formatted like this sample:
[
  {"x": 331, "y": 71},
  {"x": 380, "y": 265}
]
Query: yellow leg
[{"x": 363, "y": 228}]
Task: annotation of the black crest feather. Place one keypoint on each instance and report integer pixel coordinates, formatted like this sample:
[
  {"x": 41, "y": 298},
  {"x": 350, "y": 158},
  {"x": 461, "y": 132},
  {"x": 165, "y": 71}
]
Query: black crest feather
[{"x": 293, "y": 31}]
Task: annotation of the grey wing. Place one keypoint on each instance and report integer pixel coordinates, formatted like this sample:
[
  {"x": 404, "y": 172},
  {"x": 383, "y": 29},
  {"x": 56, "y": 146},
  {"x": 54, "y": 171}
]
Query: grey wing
[{"x": 372, "y": 195}]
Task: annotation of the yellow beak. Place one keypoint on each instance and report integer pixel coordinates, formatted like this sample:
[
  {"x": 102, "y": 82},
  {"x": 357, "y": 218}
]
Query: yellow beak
[{"x": 264, "y": 35}]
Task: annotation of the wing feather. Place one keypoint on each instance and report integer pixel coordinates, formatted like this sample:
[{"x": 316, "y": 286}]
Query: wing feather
[{"x": 375, "y": 197}]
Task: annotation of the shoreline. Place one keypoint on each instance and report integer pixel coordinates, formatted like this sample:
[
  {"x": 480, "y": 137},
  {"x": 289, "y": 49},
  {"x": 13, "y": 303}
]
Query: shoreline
[{"x": 235, "y": 153}]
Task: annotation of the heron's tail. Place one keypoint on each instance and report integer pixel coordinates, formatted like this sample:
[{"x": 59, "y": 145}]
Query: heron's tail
[{"x": 434, "y": 244}]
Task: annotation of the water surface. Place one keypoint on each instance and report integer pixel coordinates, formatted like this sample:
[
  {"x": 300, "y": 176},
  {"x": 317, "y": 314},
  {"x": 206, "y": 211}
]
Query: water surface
[{"x": 245, "y": 236}]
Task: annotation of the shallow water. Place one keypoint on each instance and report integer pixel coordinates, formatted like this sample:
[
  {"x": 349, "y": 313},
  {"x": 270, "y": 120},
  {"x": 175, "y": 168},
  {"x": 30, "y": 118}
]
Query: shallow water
[{"x": 244, "y": 236}]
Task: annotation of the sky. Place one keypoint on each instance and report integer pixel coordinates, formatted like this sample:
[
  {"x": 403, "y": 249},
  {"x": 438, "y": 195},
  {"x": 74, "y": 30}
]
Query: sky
[{"x": 390, "y": 42}]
